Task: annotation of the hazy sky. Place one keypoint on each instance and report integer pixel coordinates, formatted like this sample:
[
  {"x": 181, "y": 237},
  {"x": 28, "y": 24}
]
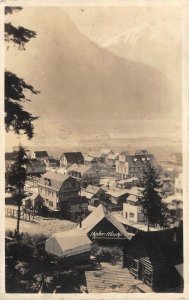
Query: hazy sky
[{"x": 111, "y": 71}]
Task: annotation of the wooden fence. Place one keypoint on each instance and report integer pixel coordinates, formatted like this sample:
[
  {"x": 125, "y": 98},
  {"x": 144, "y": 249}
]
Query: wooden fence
[{"x": 24, "y": 215}]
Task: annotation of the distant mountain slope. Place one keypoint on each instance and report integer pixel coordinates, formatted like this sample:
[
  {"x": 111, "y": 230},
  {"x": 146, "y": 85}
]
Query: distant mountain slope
[{"x": 80, "y": 80}]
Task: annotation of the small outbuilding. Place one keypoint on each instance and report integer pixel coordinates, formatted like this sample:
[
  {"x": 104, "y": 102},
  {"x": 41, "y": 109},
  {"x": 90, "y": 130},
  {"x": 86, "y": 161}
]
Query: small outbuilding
[
  {"x": 154, "y": 257},
  {"x": 73, "y": 244}
]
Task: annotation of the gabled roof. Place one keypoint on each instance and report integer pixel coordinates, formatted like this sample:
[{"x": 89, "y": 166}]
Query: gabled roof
[
  {"x": 40, "y": 153},
  {"x": 139, "y": 160},
  {"x": 159, "y": 245},
  {"x": 113, "y": 156},
  {"x": 56, "y": 180},
  {"x": 64, "y": 243},
  {"x": 128, "y": 180},
  {"x": 117, "y": 192},
  {"x": 99, "y": 214},
  {"x": 89, "y": 196},
  {"x": 73, "y": 157},
  {"x": 132, "y": 198},
  {"x": 89, "y": 158},
  {"x": 93, "y": 189},
  {"x": 106, "y": 151},
  {"x": 82, "y": 169},
  {"x": 35, "y": 163}
]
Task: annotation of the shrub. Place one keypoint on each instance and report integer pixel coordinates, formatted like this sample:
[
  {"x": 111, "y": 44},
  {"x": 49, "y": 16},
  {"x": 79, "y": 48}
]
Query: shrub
[{"x": 107, "y": 254}]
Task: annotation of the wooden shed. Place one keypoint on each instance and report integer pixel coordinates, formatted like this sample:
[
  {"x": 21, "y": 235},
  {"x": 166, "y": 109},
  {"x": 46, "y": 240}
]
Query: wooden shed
[{"x": 152, "y": 257}]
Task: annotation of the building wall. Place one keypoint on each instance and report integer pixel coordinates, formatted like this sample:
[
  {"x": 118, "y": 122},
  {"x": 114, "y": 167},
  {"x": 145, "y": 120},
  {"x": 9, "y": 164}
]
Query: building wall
[
  {"x": 122, "y": 168},
  {"x": 179, "y": 184},
  {"x": 52, "y": 198},
  {"x": 133, "y": 213}
]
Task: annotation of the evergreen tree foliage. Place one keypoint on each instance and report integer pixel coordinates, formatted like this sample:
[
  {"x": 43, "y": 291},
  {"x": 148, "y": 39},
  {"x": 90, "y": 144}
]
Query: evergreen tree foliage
[
  {"x": 17, "y": 119},
  {"x": 153, "y": 207},
  {"x": 16, "y": 177}
]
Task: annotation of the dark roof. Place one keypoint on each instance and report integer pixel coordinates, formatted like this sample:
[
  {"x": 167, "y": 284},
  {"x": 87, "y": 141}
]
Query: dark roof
[
  {"x": 73, "y": 156},
  {"x": 160, "y": 246},
  {"x": 93, "y": 189},
  {"x": 40, "y": 153},
  {"x": 140, "y": 160},
  {"x": 11, "y": 155},
  {"x": 35, "y": 163},
  {"x": 77, "y": 200}
]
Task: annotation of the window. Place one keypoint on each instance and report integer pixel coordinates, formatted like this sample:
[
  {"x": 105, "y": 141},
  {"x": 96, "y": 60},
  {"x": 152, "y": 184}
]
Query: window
[
  {"x": 126, "y": 215},
  {"x": 51, "y": 203},
  {"x": 131, "y": 215}
]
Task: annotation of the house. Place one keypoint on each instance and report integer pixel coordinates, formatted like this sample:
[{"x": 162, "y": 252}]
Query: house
[
  {"x": 105, "y": 153},
  {"x": 40, "y": 155},
  {"x": 84, "y": 174},
  {"x": 56, "y": 189},
  {"x": 102, "y": 225},
  {"x": 94, "y": 194},
  {"x": 52, "y": 163},
  {"x": 175, "y": 159},
  {"x": 109, "y": 182},
  {"x": 132, "y": 209},
  {"x": 69, "y": 158},
  {"x": 175, "y": 207},
  {"x": 90, "y": 160},
  {"x": 134, "y": 165},
  {"x": 153, "y": 257},
  {"x": 111, "y": 158},
  {"x": 117, "y": 196},
  {"x": 97, "y": 156},
  {"x": 71, "y": 246},
  {"x": 127, "y": 183},
  {"x": 122, "y": 167},
  {"x": 179, "y": 184},
  {"x": 35, "y": 167}
]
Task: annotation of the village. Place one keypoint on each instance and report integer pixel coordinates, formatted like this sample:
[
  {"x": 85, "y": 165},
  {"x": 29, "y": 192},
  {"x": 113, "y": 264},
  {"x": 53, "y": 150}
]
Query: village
[{"x": 86, "y": 209}]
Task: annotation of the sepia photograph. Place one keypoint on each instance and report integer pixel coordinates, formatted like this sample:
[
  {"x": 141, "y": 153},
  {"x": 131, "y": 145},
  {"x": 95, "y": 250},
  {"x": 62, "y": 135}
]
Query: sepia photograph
[{"x": 93, "y": 149}]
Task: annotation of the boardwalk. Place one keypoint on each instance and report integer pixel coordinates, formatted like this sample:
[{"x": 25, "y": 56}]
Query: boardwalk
[{"x": 111, "y": 279}]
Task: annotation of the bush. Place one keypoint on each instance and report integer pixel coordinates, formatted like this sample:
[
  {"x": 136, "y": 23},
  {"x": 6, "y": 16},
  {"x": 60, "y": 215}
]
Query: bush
[{"x": 107, "y": 254}]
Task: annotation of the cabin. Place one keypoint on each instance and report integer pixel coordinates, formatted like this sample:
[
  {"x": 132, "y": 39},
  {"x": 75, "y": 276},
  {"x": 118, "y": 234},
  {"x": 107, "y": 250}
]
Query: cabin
[
  {"x": 101, "y": 225},
  {"x": 153, "y": 257},
  {"x": 69, "y": 158},
  {"x": 71, "y": 246}
]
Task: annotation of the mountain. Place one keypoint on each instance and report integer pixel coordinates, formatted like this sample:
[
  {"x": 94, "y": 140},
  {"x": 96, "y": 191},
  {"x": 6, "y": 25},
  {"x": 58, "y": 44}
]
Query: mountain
[
  {"x": 80, "y": 80},
  {"x": 151, "y": 46}
]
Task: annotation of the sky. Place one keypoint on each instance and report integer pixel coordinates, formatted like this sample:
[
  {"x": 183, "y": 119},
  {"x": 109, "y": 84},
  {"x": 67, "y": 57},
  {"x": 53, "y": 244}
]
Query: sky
[{"x": 101, "y": 71}]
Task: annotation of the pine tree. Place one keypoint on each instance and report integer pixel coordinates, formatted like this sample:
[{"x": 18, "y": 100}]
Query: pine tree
[
  {"x": 153, "y": 207},
  {"x": 17, "y": 119},
  {"x": 16, "y": 177}
]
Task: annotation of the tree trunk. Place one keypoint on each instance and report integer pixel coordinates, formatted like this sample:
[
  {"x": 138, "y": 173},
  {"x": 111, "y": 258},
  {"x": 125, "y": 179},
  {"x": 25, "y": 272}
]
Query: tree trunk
[
  {"x": 148, "y": 226},
  {"x": 19, "y": 205}
]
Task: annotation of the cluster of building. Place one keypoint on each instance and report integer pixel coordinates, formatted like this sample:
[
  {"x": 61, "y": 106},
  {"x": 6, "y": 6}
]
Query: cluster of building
[
  {"x": 101, "y": 192},
  {"x": 77, "y": 183}
]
